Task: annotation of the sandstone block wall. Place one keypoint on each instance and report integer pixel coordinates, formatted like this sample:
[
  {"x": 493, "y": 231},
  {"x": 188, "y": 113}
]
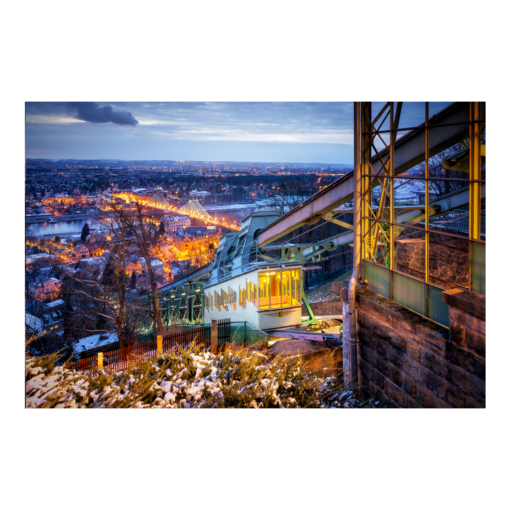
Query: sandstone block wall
[
  {"x": 448, "y": 258},
  {"x": 331, "y": 307},
  {"x": 411, "y": 362}
]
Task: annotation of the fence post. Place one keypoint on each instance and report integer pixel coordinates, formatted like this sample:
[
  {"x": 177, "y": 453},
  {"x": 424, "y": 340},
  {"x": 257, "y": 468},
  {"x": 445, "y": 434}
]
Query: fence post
[
  {"x": 214, "y": 336},
  {"x": 100, "y": 360},
  {"x": 160, "y": 345}
]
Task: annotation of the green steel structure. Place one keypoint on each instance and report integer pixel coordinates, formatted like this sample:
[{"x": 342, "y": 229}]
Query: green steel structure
[{"x": 183, "y": 302}]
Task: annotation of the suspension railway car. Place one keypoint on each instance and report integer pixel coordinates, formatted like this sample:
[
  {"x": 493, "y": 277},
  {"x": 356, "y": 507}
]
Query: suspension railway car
[
  {"x": 265, "y": 293},
  {"x": 242, "y": 283}
]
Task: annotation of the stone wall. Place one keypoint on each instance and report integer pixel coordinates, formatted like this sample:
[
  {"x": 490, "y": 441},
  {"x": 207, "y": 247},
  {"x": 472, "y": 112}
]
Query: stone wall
[
  {"x": 448, "y": 258},
  {"x": 330, "y": 307},
  {"x": 480, "y": 341},
  {"x": 411, "y": 362}
]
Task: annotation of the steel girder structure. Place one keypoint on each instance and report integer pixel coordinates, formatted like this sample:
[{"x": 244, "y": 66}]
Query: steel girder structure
[
  {"x": 158, "y": 201},
  {"x": 408, "y": 151},
  {"x": 184, "y": 306},
  {"x": 418, "y": 288},
  {"x": 194, "y": 209},
  {"x": 182, "y": 301}
]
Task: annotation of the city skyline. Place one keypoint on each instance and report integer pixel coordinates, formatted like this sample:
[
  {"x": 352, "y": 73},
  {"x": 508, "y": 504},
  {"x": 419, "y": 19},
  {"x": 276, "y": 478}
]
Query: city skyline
[{"x": 301, "y": 133}]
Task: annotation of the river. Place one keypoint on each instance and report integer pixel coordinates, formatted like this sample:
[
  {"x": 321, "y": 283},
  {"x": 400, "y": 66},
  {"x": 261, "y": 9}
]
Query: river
[{"x": 61, "y": 228}]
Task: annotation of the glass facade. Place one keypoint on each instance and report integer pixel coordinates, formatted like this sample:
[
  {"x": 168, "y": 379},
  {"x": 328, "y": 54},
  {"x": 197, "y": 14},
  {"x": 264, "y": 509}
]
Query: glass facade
[
  {"x": 279, "y": 289},
  {"x": 423, "y": 203},
  {"x": 276, "y": 289}
]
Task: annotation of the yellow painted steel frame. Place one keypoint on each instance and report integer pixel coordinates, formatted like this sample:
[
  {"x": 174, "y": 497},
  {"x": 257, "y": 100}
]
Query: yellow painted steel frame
[
  {"x": 366, "y": 187},
  {"x": 475, "y": 176},
  {"x": 475, "y": 171},
  {"x": 379, "y": 227}
]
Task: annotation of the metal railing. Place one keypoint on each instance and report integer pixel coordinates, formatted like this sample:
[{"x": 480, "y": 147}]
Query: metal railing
[
  {"x": 245, "y": 333},
  {"x": 455, "y": 222},
  {"x": 84, "y": 364},
  {"x": 96, "y": 350},
  {"x": 200, "y": 336},
  {"x": 120, "y": 359},
  {"x": 240, "y": 332},
  {"x": 224, "y": 331}
]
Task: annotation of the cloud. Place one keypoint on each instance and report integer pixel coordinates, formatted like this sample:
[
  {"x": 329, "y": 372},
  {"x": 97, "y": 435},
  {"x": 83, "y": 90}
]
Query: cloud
[{"x": 92, "y": 112}]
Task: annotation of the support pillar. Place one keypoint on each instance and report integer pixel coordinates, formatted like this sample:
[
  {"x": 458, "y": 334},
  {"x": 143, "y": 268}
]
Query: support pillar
[{"x": 214, "y": 336}]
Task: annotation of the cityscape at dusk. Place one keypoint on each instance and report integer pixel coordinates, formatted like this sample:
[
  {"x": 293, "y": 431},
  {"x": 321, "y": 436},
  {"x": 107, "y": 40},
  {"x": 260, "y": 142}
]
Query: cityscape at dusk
[{"x": 320, "y": 258}]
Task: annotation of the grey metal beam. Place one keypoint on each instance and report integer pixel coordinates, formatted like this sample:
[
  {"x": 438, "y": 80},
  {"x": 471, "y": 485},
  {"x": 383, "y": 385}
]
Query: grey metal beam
[
  {"x": 321, "y": 203},
  {"x": 409, "y": 151}
]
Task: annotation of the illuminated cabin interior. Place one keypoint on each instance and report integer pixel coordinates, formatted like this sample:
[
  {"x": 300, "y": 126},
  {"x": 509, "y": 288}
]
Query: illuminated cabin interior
[{"x": 266, "y": 294}]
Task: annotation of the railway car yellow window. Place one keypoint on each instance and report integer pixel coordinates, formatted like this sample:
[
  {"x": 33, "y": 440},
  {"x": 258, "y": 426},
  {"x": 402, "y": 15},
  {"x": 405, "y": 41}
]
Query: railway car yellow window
[
  {"x": 253, "y": 294},
  {"x": 264, "y": 291},
  {"x": 286, "y": 288},
  {"x": 296, "y": 287},
  {"x": 242, "y": 297},
  {"x": 275, "y": 284}
]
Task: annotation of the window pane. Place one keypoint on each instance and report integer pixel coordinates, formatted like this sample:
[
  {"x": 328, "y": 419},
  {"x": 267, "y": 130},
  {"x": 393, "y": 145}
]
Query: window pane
[
  {"x": 438, "y": 310},
  {"x": 448, "y": 260},
  {"x": 409, "y": 187},
  {"x": 449, "y": 203},
  {"x": 275, "y": 288},
  {"x": 296, "y": 287},
  {"x": 263, "y": 291},
  {"x": 409, "y": 251},
  {"x": 409, "y": 293},
  {"x": 286, "y": 285},
  {"x": 378, "y": 278}
]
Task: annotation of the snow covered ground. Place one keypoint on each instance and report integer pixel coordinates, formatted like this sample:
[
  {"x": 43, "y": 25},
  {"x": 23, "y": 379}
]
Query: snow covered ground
[
  {"x": 92, "y": 341},
  {"x": 190, "y": 379}
]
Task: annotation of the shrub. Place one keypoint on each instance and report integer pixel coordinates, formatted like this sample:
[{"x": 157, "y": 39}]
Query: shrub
[{"x": 189, "y": 378}]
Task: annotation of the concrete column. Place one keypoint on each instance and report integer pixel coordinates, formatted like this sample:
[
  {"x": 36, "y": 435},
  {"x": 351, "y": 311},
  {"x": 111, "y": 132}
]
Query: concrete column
[{"x": 214, "y": 336}]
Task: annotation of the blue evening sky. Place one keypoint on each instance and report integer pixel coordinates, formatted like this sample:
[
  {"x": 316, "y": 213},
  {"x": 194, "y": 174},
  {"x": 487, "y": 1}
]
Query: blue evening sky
[{"x": 311, "y": 132}]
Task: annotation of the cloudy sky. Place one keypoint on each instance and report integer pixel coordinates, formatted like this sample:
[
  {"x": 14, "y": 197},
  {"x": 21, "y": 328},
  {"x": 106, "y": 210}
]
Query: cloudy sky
[{"x": 255, "y": 132}]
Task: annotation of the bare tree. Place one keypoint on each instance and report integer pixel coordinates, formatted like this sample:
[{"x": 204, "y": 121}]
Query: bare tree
[
  {"x": 292, "y": 190},
  {"x": 104, "y": 305},
  {"x": 437, "y": 170},
  {"x": 139, "y": 227}
]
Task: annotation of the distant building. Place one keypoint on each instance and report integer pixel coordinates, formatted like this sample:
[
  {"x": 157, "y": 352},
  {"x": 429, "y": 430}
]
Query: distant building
[
  {"x": 45, "y": 288},
  {"x": 82, "y": 252},
  {"x": 33, "y": 325},
  {"x": 198, "y": 194},
  {"x": 176, "y": 222},
  {"x": 134, "y": 267}
]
